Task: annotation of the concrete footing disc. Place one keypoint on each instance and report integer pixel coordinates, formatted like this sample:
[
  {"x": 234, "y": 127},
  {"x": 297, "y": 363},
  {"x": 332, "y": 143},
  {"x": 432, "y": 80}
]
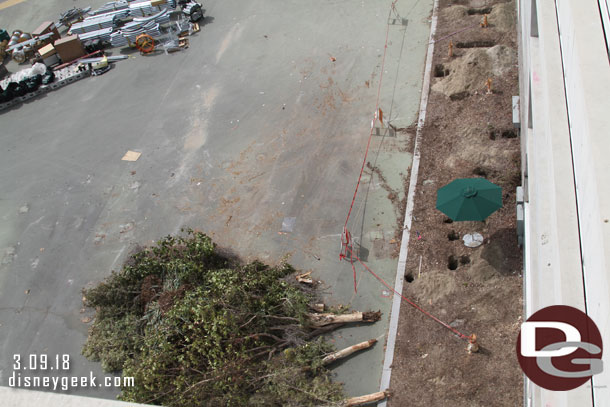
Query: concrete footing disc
[{"x": 473, "y": 240}]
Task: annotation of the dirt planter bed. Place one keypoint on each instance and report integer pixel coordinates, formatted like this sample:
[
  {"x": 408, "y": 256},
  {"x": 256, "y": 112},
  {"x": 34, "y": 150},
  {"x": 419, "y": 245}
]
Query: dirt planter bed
[{"x": 468, "y": 133}]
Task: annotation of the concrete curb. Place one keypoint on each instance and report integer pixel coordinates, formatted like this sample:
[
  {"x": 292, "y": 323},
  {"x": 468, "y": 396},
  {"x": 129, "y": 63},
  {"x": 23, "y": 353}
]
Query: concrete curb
[{"x": 404, "y": 246}]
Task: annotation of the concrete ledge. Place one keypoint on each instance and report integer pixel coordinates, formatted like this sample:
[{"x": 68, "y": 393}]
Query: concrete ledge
[{"x": 27, "y": 398}]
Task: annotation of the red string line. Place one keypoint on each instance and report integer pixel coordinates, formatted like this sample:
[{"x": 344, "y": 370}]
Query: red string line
[
  {"x": 446, "y": 325},
  {"x": 346, "y": 241},
  {"x": 368, "y": 144},
  {"x": 454, "y": 33}
]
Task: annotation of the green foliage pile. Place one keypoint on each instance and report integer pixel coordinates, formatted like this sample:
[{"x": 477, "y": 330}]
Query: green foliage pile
[{"x": 196, "y": 329}]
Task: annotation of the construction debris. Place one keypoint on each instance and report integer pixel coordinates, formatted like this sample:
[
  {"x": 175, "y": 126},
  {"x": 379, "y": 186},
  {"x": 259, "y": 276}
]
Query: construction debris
[
  {"x": 131, "y": 156},
  {"x": 67, "y": 17},
  {"x": 118, "y": 23},
  {"x": 304, "y": 278},
  {"x": 16, "y": 92},
  {"x": 193, "y": 10},
  {"x": 112, "y": 58}
]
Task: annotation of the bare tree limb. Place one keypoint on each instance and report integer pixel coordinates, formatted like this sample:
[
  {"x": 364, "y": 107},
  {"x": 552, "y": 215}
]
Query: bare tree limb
[
  {"x": 323, "y": 330},
  {"x": 319, "y": 320},
  {"x": 348, "y": 351},
  {"x": 366, "y": 399}
]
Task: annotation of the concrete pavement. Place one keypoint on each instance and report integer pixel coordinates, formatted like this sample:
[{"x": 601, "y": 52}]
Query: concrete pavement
[{"x": 252, "y": 124}]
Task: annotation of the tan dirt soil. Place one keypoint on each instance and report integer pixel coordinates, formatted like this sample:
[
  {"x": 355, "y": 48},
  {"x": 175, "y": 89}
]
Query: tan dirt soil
[{"x": 469, "y": 136}]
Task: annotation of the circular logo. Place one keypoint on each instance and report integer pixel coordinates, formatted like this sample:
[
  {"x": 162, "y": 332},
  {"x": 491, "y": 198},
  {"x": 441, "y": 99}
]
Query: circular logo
[{"x": 559, "y": 348}]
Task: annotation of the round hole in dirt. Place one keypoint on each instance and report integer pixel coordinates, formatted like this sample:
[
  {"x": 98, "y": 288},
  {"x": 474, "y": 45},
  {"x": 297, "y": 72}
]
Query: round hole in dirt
[
  {"x": 453, "y": 235},
  {"x": 409, "y": 277},
  {"x": 465, "y": 259},
  {"x": 459, "y": 95},
  {"x": 452, "y": 262},
  {"x": 448, "y": 220},
  {"x": 475, "y": 44},
  {"x": 511, "y": 133},
  {"x": 483, "y": 10},
  {"x": 440, "y": 71},
  {"x": 482, "y": 172}
]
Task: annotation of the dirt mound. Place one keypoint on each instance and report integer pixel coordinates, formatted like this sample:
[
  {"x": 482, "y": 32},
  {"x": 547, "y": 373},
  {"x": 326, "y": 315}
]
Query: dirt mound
[
  {"x": 503, "y": 59},
  {"x": 479, "y": 3},
  {"x": 474, "y": 290},
  {"x": 502, "y": 16},
  {"x": 467, "y": 152},
  {"x": 481, "y": 270},
  {"x": 434, "y": 286},
  {"x": 455, "y": 12},
  {"x": 470, "y": 72}
]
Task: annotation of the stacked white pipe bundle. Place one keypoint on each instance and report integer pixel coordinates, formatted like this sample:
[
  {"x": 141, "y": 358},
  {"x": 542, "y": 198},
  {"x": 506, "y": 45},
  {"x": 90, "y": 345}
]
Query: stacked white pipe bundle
[
  {"x": 129, "y": 34},
  {"x": 145, "y": 8},
  {"x": 146, "y": 20},
  {"x": 117, "y": 39},
  {"x": 111, "y": 6},
  {"x": 102, "y": 35},
  {"x": 140, "y": 25},
  {"x": 161, "y": 17},
  {"x": 98, "y": 22}
]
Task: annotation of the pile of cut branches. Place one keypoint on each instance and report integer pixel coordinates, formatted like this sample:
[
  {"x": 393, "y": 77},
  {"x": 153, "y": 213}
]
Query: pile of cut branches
[{"x": 195, "y": 328}]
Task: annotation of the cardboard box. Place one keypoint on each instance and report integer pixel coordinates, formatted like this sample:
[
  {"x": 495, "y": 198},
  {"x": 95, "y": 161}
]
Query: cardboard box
[
  {"x": 47, "y": 51},
  {"x": 69, "y": 48},
  {"x": 45, "y": 28}
]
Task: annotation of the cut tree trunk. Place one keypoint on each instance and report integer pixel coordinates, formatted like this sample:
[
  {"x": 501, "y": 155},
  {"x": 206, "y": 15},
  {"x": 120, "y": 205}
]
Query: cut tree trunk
[
  {"x": 348, "y": 351},
  {"x": 369, "y": 398},
  {"x": 327, "y": 319}
]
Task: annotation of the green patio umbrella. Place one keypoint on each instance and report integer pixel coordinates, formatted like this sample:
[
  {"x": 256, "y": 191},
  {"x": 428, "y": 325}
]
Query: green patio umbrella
[{"x": 469, "y": 199}]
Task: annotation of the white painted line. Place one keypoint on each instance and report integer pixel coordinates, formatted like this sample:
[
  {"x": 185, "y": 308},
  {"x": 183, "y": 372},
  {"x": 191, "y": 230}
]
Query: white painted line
[{"x": 404, "y": 246}]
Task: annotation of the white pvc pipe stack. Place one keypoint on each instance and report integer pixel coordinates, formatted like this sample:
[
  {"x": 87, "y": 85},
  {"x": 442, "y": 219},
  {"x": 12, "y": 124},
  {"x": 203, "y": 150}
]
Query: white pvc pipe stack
[
  {"x": 111, "y": 6},
  {"x": 145, "y": 8},
  {"x": 97, "y": 22},
  {"x": 103, "y": 35}
]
